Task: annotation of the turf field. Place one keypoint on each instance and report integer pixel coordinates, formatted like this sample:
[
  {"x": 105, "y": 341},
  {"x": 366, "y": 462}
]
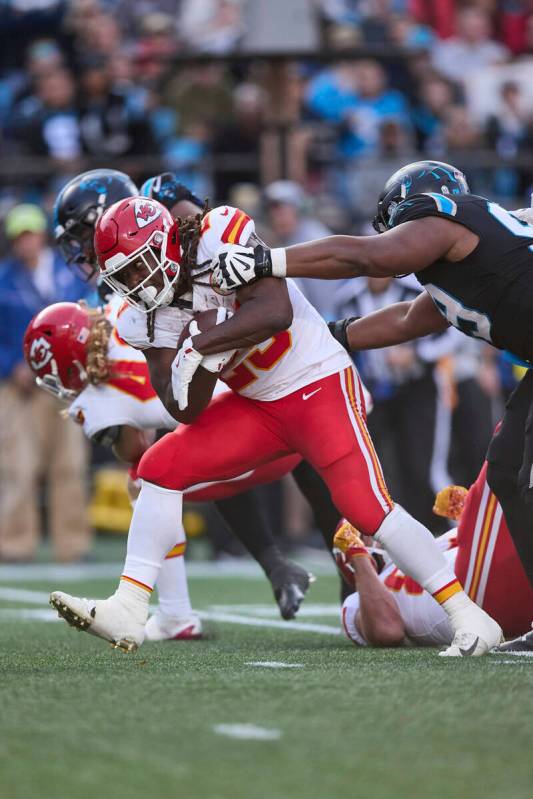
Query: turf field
[{"x": 316, "y": 717}]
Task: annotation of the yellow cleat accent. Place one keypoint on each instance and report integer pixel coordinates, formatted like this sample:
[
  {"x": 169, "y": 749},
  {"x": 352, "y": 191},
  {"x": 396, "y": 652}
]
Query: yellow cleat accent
[
  {"x": 450, "y": 502},
  {"x": 346, "y": 537}
]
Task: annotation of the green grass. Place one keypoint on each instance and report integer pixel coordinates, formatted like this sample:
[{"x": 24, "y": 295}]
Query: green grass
[{"x": 80, "y": 720}]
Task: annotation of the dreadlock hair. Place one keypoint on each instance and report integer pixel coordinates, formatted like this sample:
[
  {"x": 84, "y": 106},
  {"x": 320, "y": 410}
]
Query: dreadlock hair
[
  {"x": 189, "y": 231},
  {"x": 97, "y": 367}
]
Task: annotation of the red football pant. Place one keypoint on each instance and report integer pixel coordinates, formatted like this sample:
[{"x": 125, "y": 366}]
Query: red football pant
[
  {"x": 324, "y": 422},
  {"x": 487, "y": 563},
  {"x": 223, "y": 489}
]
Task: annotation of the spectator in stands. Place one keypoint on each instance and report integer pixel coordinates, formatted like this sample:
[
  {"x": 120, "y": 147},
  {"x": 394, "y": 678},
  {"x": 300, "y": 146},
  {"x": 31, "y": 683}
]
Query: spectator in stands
[
  {"x": 436, "y": 95},
  {"x": 290, "y": 221},
  {"x": 213, "y": 26},
  {"x": 46, "y": 123},
  {"x": 237, "y": 144},
  {"x": 472, "y": 48},
  {"x": 35, "y": 441},
  {"x": 358, "y": 99},
  {"x": 112, "y": 121}
]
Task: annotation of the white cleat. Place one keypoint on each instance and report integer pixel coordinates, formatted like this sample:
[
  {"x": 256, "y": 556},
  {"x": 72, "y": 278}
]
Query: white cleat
[
  {"x": 161, "y": 627},
  {"x": 477, "y": 635},
  {"x": 110, "y": 619}
]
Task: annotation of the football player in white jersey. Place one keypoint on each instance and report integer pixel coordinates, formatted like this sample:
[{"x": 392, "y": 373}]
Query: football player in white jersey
[
  {"x": 295, "y": 390},
  {"x": 77, "y": 208},
  {"x": 77, "y": 355},
  {"x": 390, "y": 609}
]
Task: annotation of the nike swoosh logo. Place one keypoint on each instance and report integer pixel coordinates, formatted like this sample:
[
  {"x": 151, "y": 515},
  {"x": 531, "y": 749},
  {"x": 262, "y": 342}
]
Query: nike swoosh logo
[
  {"x": 306, "y": 396},
  {"x": 225, "y": 213},
  {"x": 470, "y": 651}
]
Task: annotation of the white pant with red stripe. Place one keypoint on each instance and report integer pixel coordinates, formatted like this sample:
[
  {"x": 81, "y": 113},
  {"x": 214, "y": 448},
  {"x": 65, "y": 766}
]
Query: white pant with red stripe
[{"x": 324, "y": 422}]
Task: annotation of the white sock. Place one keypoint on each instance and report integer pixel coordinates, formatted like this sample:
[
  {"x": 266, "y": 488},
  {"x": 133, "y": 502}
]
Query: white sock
[
  {"x": 152, "y": 533},
  {"x": 172, "y": 588},
  {"x": 135, "y": 597},
  {"x": 414, "y": 550}
]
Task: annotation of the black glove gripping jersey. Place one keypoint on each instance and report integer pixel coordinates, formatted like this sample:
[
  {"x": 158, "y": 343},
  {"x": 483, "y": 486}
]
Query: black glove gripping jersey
[{"x": 489, "y": 294}]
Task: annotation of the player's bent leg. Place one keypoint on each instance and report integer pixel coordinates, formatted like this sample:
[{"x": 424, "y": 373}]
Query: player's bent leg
[
  {"x": 121, "y": 619},
  {"x": 174, "y": 619},
  {"x": 358, "y": 489}
]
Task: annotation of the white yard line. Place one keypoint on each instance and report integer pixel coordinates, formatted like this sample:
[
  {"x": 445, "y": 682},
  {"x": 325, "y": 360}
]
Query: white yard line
[
  {"x": 28, "y": 614},
  {"x": 273, "y": 664},
  {"x": 251, "y": 621},
  {"x": 247, "y": 732},
  {"x": 73, "y": 573},
  {"x": 22, "y": 595},
  {"x": 315, "y": 610},
  {"x": 43, "y": 614}
]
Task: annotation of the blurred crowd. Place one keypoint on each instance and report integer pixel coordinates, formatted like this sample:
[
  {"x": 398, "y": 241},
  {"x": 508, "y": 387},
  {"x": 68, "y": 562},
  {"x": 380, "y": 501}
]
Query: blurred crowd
[
  {"x": 108, "y": 79},
  {"x": 304, "y": 143}
]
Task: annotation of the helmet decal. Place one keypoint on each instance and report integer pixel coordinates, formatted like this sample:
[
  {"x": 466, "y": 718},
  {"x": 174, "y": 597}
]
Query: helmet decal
[
  {"x": 145, "y": 212},
  {"x": 40, "y": 353}
]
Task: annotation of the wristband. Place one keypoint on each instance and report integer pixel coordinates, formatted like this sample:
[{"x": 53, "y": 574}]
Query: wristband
[
  {"x": 278, "y": 257},
  {"x": 339, "y": 330}
]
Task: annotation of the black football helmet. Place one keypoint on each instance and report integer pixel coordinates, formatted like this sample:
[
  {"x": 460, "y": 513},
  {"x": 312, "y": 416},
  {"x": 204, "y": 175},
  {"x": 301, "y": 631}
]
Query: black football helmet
[
  {"x": 417, "y": 178},
  {"x": 78, "y": 207}
]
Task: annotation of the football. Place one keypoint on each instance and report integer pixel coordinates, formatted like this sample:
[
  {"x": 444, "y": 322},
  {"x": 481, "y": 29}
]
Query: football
[{"x": 205, "y": 321}]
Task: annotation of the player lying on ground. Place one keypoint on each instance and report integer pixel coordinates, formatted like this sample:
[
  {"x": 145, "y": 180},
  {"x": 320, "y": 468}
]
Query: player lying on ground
[
  {"x": 77, "y": 356},
  {"x": 391, "y": 609},
  {"x": 295, "y": 391},
  {"x": 78, "y": 207},
  {"x": 474, "y": 260}
]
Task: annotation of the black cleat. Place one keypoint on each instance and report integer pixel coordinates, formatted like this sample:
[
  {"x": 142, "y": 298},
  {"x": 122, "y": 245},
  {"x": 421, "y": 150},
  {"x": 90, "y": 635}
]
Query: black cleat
[
  {"x": 521, "y": 645},
  {"x": 290, "y": 583}
]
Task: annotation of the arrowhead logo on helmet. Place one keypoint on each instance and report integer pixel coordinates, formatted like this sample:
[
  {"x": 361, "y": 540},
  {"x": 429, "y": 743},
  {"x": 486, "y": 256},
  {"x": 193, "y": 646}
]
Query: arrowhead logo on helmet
[
  {"x": 40, "y": 353},
  {"x": 145, "y": 212},
  {"x": 55, "y": 348}
]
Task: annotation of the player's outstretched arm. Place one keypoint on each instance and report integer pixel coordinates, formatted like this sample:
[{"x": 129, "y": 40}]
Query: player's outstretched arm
[
  {"x": 396, "y": 324},
  {"x": 410, "y": 247},
  {"x": 379, "y": 618},
  {"x": 264, "y": 310}
]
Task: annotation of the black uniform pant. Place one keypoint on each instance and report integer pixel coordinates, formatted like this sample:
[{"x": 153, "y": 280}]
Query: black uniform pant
[{"x": 510, "y": 470}]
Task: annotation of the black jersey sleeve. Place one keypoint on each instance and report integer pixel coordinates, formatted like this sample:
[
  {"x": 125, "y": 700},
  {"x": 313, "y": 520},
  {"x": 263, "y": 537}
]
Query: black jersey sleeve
[{"x": 421, "y": 205}]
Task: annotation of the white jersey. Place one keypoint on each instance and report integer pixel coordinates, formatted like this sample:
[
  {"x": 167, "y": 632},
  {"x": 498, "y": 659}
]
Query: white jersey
[
  {"x": 426, "y": 623},
  {"x": 278, "y": 366},
  {"x": 127, "y": 398}
]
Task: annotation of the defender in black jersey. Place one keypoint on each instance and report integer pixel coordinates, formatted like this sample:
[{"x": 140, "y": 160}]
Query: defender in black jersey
[{"x": 475, "y": 261}]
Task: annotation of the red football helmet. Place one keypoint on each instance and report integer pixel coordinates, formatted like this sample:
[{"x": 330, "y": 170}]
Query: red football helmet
[
  {"x": 55, "y": 348},
  {"x": 142, "y": 232}
]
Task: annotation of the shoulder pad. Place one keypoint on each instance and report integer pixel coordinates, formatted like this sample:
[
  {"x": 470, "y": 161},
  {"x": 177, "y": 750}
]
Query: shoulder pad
[
  {"x": 132, "y": 327},
  {"x": 420, "y": 205},
  {"x": 223, "y": 225}
]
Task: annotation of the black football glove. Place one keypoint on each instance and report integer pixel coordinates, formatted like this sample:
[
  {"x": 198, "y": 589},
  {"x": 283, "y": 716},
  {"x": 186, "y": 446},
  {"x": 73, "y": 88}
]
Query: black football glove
[
  {"x": 339, "y": 329},
  {"x": 168, "y": 191}
]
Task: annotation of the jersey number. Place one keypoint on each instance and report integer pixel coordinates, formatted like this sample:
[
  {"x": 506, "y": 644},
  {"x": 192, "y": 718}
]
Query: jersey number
[
  {"x": 259, "y": 360},
  {"x": 396, "y": 581},
  {"x": 471, "y": 322}
]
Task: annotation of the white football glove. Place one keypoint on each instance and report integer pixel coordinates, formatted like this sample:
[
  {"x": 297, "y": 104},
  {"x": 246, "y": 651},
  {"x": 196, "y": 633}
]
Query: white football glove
[
  {"x": 184, "y": 367},
  {"x": 233, "y": 266},
  {"x": 187, "y": 361}
]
